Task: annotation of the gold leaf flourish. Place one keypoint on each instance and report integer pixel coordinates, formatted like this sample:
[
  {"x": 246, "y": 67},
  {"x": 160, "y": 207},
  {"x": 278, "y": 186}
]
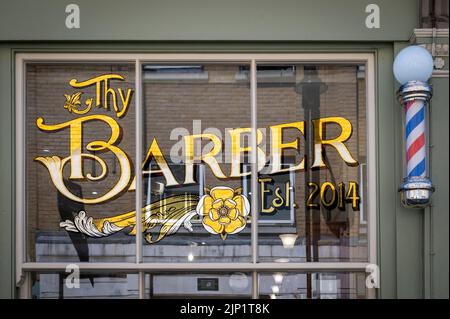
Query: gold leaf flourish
[
  {"x": 73, "y": 102},
  {"x": 161, "y": 218}
]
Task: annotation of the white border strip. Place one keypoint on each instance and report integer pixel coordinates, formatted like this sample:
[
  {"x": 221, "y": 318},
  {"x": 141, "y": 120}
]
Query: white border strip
[
  {"x": 329, "y": 58},
  {"x": 372, "y": 194},
  {"x": 20, "y": 168},
  {"x": 371, "y": 159}
]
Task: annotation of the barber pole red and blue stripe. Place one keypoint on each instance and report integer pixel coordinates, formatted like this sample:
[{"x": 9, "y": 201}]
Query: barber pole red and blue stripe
[{"x": 415, "y": 138}]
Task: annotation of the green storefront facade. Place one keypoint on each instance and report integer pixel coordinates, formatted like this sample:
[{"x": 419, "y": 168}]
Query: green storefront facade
[{"x": 411, "y": 245}]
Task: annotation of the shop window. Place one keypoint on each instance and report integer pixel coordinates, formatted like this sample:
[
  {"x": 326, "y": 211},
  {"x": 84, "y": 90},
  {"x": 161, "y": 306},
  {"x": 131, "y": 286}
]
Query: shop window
[
  {"x": 195, "y": 285},
  {"x": 185, "y": 128},
  {"x": 90, "y": 285},
  {"x": 176, "y": 114},
  {"x": 310, "y": 193},
  {"x": 100, "y": 97},
  {"x": 310, "y": 285}
]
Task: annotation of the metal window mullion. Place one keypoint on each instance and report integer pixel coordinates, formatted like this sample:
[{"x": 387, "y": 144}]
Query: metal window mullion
[
  {"x": 138, "y": 168},
  {"x": 254, "y": 176},
  {"x": 255, "y": 285},
  {"x": 141, "y": 284},
  {"x": 197, "y": 267},
  {"x": 138, "y": 173}
]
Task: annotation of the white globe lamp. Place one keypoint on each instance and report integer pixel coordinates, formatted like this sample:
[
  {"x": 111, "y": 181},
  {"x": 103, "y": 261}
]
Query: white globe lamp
[{"x": 413, "y": 63}]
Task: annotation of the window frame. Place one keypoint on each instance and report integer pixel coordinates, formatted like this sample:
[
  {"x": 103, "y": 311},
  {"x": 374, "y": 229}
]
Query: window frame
[{"x": 23, "y": 268}]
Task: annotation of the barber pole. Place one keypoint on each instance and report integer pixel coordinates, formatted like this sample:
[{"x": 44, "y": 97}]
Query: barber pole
[
  {"x": 415, "y": 138},
  {"x": 416, "y": 189},
  {"x": 413, "y": 67}
]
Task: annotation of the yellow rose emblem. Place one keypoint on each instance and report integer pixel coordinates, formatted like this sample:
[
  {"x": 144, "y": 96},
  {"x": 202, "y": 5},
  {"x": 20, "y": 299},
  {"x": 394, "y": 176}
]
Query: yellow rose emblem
[{"x": 223, "y": 211}]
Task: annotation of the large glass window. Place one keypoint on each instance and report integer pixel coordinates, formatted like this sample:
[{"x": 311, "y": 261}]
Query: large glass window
[
  {"x": 312, "y": 182},
  {"x": 91, "y": 285},
  {"x": 319, "y": 285},
  {"x": 195, "y": 115},
  {"x": 194, "y": 285},
  {"x": 79, "y": 151},
  {"x": 209, "y": 227}
]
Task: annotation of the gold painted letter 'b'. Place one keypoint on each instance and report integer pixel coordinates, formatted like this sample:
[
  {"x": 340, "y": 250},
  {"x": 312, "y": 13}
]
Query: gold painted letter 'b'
[{"x": 55, "y": 164}]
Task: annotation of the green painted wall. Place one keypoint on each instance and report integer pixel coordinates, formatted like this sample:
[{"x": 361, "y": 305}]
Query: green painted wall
[
  {"x": 436, "y": 217},
  {"x": 7, "y": 178},
  {"x": 231, "y": 20},
  {"x": 387, "y": 182}
]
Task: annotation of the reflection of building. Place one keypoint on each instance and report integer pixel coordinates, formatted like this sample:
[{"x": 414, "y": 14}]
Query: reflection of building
[
  {"x": 203, "y": 246},
  {"x": 233, "y": 285}
]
